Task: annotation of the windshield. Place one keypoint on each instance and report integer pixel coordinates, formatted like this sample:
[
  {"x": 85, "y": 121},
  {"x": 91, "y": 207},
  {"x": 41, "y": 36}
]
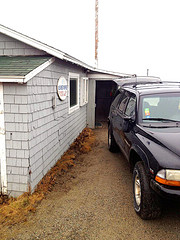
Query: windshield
[{"x": 160, "y": 108}]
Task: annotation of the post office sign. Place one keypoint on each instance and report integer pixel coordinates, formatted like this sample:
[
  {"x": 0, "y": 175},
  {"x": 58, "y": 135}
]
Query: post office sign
[{"x": 62, "y": 88}]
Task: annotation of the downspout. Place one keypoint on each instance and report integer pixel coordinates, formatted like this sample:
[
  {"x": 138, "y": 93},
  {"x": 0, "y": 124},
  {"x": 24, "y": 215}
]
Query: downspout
[{"x": 2, "y": 145}]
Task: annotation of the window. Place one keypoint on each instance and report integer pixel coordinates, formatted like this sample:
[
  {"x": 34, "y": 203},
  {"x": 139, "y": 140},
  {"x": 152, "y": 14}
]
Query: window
[
  {"x": 123, "y": 102},
  {"x": 73, "y": 92},
  {"x": 117, "y": 98},
  {"x": 163, "y": 105},
  {"x": 84, "y": 91},
  {"x": 130, "y": 109}
]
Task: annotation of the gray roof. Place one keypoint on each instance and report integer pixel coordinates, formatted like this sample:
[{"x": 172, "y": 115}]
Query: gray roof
[{"x": 20, "y": 65}]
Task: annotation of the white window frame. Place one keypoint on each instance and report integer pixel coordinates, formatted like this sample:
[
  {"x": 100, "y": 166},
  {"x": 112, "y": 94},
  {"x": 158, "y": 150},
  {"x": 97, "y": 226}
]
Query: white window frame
[
  {"x": 84, "y": 91},
  {"x": 73, "y": 75}
]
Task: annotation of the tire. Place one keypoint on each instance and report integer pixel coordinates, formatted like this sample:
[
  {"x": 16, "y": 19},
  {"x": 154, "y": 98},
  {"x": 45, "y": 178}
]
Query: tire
[
  {"x": 147, "y": 203},
  {"x": 112, "y": 145}
]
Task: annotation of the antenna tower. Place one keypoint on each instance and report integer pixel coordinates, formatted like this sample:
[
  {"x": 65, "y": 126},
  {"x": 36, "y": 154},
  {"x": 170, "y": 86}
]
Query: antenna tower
[{"x": 96, "y": 32}]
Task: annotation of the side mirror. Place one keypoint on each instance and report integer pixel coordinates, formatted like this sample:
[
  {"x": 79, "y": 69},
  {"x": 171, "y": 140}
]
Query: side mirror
[{"x": 127, "y": 123}]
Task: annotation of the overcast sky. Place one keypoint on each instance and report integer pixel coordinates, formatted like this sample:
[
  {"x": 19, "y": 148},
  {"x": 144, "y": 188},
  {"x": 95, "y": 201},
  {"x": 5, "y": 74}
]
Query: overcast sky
[{"x": 134, "y": 35}]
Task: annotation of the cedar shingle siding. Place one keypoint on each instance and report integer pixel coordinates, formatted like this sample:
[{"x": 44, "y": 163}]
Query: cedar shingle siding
[
  {"x": 12, "y": 47},
  {"x": 36, "y": 134}
]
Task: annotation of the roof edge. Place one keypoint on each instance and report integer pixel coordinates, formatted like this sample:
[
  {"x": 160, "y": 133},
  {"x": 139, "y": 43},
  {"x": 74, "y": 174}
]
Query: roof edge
[
  {"x": 41, "y": 46},
  {"x": 52, "y": 51},
  {"x": 30, "y": 41}
]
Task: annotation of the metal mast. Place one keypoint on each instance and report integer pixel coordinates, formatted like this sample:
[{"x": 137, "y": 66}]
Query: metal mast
[{"x": 96, "y": 32}]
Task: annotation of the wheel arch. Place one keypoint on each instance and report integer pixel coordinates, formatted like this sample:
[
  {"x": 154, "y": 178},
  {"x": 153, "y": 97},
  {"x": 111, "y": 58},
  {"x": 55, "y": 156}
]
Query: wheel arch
[{"x": 136, "y": 155}]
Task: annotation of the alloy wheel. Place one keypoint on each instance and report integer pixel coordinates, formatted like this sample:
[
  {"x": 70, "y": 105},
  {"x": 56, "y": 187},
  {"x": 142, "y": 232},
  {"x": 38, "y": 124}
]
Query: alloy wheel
[{"x": 137, "y": 190}]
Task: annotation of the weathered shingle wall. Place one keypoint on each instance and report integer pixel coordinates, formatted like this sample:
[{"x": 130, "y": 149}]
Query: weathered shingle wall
[
  {"x": 16, "y": 127},
  {"x": 36, "y": 134},
  {"x": 12, "y": 47},
  {"x": 51, "y": 130}
]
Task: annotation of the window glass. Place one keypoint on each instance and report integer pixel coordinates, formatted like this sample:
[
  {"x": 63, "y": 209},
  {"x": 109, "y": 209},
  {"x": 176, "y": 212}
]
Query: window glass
[
  {"x": 123, "y": 102},
  {"x": 116, "y": 100},
  {"x": 165, "y": 106},
  {"x": 73, "y": 92},
  {"x": 130, "y": 109},
  {"x": 84, "y": 91}
]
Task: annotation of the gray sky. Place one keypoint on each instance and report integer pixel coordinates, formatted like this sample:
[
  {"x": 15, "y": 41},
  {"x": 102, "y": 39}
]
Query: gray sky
[{"x": 133, "y": 34}]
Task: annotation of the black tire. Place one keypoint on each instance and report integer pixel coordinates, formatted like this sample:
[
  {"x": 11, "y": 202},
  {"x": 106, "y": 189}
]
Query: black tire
[
  {"x": 112, "y": 145},
  {"x": 147, "y": 203}
]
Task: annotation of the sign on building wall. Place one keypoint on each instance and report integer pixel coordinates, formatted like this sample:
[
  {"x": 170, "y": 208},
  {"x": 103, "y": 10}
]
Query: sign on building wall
[{"x": 62, "y": 88}]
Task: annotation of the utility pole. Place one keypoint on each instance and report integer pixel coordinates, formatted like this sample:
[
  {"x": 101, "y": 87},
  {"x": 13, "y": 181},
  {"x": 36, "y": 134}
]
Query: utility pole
[{"x": 96, "y": 32}]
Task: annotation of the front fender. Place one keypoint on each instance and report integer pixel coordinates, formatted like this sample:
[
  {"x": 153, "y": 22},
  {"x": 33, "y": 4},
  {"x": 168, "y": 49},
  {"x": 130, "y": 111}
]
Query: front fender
[{"x": 139, "y": 153}]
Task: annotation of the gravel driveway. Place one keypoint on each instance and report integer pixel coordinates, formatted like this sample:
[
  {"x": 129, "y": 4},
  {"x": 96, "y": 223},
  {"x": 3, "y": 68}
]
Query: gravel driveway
[{"x": 94, "y": 201}]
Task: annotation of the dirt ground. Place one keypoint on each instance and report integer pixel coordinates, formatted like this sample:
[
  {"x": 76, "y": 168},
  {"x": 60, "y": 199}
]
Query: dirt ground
[{"x": 94, "y": 201}]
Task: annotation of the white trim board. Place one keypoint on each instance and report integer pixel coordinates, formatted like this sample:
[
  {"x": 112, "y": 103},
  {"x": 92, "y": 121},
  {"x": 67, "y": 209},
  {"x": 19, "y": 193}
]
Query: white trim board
[
  {"x": 2, "y": 145},
  {"x": 38, "y": 69}
]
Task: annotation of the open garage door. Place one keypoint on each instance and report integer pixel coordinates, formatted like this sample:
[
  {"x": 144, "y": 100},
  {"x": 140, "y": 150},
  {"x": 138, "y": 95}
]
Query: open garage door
[
  {"x": 101, "y": 86},
  {"x": 104, "y": 95}
]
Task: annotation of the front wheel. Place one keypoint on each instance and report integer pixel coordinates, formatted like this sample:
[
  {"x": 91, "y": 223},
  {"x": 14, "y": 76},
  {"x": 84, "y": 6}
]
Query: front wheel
[{"x": 146, "y": 202}]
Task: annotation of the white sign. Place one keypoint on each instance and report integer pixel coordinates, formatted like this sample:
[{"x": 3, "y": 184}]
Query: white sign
[{"x": 62, "y": 88}]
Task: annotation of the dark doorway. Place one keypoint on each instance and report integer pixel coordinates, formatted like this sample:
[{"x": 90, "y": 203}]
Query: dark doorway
[{"x": 104, "y": 95}]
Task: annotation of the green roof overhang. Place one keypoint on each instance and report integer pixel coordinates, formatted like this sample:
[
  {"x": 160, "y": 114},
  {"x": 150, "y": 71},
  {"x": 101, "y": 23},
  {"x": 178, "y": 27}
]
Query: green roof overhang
[{"x": 22, "y": 68}]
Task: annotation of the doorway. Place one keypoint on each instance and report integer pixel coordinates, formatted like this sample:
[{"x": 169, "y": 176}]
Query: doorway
[{"x": 104, "y": 95}]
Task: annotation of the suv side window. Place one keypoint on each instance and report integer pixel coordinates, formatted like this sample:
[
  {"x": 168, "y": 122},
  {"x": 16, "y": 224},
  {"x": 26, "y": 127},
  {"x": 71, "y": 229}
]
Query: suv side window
[
  {"x": 118, "y": 98},
  {"x": 130, "y": 109},
  {"x": 123, "y": 102}
]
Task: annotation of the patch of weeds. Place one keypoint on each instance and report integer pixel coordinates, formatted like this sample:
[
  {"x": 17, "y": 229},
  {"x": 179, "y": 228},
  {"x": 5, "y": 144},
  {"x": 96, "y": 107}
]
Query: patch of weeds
[{"x": 16, "y": 210}]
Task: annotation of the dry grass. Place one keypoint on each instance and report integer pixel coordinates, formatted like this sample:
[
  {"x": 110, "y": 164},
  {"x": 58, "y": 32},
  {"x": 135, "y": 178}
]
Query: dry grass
[{"x": 16, "y": 210}]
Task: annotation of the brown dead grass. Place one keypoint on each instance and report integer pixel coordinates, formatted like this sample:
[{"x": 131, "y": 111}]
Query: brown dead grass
[{"x": 16, "y": 210}]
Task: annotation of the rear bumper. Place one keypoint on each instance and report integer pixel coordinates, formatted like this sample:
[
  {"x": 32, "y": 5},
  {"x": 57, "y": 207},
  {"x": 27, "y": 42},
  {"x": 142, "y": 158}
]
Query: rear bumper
[{"x": 165, "y": 192}]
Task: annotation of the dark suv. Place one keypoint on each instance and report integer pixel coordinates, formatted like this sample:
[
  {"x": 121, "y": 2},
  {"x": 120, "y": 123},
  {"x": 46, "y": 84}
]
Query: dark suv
[{"x": 144, "y": 123}]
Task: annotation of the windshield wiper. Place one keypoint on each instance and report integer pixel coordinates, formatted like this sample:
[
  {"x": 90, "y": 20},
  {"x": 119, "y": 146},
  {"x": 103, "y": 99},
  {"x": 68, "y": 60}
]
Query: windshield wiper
[{"x": 160, "y": 119}]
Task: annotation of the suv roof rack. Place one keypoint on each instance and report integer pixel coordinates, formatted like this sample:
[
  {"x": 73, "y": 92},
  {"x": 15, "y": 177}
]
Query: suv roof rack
[
  {"x": 171, "y": 82},
  {"x": 134, "y": 80}
]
